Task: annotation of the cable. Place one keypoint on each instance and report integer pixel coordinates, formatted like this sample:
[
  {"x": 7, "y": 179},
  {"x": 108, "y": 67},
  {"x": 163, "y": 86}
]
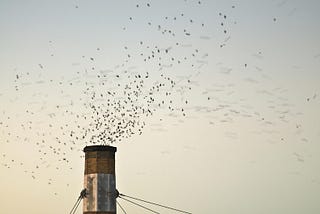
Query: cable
[
  {"x": 121, "y": 208},
  {"x": 75, "y": 206},
  {"x": 139, "y": 205},
  {"x": 170, "y": 208},
  {"x": 83, "y": 194}
]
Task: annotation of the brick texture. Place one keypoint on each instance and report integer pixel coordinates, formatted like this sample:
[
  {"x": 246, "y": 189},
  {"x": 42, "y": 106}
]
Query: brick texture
[{"x": 99, "y": 162}]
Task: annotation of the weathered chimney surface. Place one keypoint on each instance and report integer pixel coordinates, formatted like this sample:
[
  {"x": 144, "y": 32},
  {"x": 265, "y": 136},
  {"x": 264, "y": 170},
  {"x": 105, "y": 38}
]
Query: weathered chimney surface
[{"x": 100, "y": 180}]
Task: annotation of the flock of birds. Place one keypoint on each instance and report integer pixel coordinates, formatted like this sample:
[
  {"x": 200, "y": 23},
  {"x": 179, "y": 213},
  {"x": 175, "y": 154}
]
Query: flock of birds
[{"x": 95, "y": 106}]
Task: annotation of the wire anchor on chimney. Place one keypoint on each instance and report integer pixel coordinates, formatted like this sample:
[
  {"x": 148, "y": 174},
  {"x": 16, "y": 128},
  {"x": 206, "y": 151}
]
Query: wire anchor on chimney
[{"x": 83, "y": 194}]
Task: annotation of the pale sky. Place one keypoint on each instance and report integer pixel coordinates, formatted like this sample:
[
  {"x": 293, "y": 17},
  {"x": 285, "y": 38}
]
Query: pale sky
[{"x": 246, "y": 76}]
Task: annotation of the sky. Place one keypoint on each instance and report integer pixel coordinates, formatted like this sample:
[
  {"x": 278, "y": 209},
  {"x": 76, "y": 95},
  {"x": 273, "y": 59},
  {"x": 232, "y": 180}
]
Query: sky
[{"x": 232, "y": 89}]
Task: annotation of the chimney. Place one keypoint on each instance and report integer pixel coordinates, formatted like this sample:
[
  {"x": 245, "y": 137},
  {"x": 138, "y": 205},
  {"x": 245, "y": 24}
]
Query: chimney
[{"x": 100, "y": 180}]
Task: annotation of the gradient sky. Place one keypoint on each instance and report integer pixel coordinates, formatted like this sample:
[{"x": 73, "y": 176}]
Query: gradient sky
[{"x": 249, "y": 142}]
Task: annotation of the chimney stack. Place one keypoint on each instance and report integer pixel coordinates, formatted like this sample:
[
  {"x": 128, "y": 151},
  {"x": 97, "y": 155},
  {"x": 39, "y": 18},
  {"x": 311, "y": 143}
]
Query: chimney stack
[{"x": 100, "y": 180}]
